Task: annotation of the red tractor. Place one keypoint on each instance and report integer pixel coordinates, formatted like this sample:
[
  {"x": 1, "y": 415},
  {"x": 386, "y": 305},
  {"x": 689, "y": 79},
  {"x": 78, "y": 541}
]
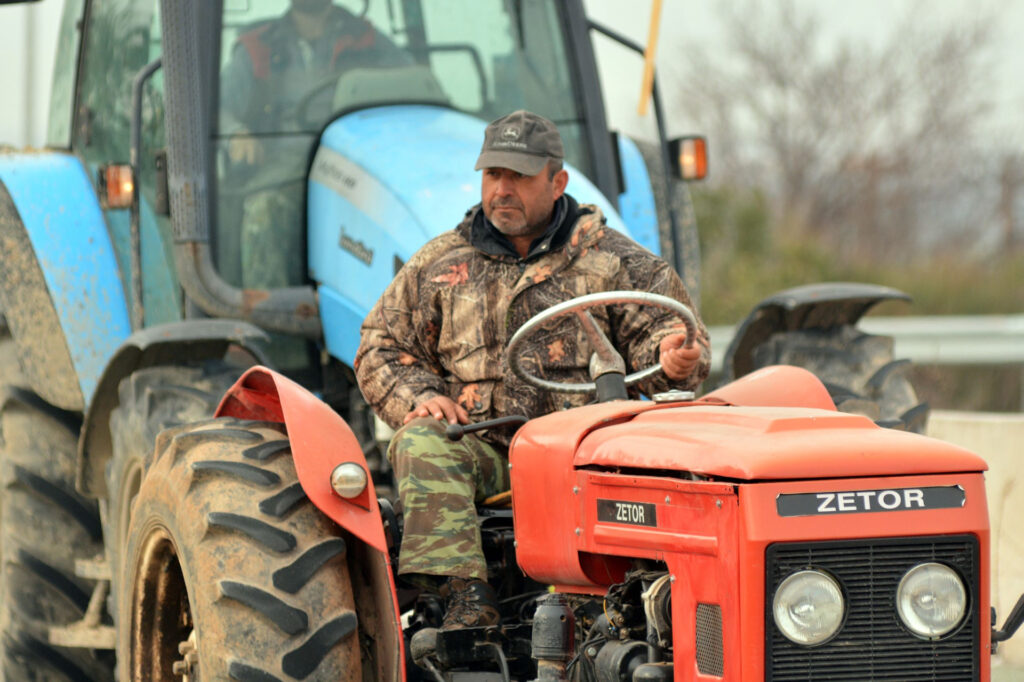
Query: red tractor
[{"x": 755, "y": 533}]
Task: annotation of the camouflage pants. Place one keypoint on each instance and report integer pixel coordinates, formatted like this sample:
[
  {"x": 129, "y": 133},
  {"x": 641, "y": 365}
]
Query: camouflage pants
[{"x": 439, "y": 483}]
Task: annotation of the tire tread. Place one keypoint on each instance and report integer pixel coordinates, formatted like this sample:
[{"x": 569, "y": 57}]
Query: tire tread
[
  {"x": 288, "y": 619},
  {"x": 281, "y": 504},
  {"x": 294, "y": 576},
  {"x": 239, "y": 470}
]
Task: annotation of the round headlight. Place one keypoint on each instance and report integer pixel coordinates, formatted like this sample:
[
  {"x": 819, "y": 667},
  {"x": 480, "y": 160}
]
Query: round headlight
[
  {"x": 931, "y": 600},
  {"x": 348, "y": 479},
  {"x": 808, "y": 607}
]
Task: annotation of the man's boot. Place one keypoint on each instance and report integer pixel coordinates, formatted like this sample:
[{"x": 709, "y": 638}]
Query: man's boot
[{"x": 470, "y": 603}]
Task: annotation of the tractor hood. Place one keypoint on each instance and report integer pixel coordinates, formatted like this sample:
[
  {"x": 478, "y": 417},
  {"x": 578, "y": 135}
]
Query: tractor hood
[
  {"x": 382, "y": 182},
  {"x": 612, "y": 480},
  {"x": 768, "y": 443},
  {"x": 774, "y": 424}
]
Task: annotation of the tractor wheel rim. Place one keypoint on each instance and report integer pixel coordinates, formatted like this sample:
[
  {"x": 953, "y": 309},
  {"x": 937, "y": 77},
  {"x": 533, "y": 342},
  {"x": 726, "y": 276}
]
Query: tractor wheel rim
[{"x": 161, "y": 617}]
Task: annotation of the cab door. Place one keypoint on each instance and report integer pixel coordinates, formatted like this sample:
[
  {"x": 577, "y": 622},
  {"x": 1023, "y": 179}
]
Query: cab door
[{"x": 118, "y": 38}]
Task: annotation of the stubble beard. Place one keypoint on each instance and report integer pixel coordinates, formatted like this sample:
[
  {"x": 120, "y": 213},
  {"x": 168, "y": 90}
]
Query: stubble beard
[{"x": 512, "y": 225}]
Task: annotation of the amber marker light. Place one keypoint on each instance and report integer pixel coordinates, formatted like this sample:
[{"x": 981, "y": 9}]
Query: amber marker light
[
  {"x": 117, "y": 183},
  {"x": 690, "y": 155}
]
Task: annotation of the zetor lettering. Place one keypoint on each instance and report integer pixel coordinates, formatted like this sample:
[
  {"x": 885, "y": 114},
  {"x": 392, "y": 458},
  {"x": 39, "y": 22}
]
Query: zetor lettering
[
  {"x": 870, "y": 500},
  {"x": 629, "y": 513},
  {"x": 633, "y": 513}
]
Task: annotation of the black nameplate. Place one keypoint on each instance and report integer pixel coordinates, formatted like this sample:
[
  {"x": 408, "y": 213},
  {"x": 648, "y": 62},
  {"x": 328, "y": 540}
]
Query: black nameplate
[
  {"x": 359, "y": 250},
  {"x": 633, "y": 513},
  {"x": 866, "y": 501}
]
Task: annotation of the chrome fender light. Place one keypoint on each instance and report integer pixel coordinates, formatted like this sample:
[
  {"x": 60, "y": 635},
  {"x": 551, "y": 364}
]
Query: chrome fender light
[{"x": 348, "y": 480}]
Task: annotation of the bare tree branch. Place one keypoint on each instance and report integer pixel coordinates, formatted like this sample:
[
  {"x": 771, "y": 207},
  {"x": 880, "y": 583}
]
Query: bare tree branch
[{"x": 872, "y": 146}]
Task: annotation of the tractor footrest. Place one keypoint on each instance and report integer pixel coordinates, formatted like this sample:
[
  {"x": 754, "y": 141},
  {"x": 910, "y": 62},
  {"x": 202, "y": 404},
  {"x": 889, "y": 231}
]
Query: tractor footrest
[
  {"x": 83, "y": 636},
  {"x": 474, "y": 645}
]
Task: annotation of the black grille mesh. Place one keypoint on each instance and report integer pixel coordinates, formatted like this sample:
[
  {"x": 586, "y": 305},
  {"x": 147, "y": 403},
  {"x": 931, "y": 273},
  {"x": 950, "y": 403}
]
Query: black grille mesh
[
  {"x": 873, "y": 645},
  {"x": 710, "y": 658}
]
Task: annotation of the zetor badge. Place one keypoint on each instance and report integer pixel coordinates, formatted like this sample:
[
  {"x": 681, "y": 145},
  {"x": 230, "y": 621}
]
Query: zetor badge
[{"x": 861, "y": 501}]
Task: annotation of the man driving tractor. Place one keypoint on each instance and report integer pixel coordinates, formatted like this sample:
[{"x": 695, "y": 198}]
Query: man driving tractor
[
  {"x": 276, "y": 91},
  {"x": 432, "y": 351}
]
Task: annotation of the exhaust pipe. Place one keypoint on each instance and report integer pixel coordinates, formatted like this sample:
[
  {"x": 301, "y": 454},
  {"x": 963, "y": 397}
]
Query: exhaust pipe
[{"x": 291, "y": 310}]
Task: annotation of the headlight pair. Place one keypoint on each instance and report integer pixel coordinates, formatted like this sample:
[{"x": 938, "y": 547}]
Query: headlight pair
[{"x": 809, "y": 607}]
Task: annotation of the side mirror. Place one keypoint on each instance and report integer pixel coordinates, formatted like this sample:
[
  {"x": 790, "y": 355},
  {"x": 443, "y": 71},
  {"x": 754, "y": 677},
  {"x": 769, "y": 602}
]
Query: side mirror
[{"x": 689, "y": 156}]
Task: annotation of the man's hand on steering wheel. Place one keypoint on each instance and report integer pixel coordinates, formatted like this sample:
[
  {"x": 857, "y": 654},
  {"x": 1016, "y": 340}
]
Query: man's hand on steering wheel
[
  {"x": 678, "y": 361},
  {"x": 439, "y": 407}
]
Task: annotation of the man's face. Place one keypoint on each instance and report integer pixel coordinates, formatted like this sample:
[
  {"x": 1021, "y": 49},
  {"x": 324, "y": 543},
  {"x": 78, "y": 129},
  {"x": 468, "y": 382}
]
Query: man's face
[{"x": 520, "y": 205}]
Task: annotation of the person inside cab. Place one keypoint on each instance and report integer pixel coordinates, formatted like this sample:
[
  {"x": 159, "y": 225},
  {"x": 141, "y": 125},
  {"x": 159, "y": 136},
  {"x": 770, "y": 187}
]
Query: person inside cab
[{"x": 276, "y": 93}]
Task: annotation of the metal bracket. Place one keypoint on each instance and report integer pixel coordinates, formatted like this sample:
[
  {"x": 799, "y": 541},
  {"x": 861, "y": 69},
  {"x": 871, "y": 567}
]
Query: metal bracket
[{"x": 88, "y": 633}]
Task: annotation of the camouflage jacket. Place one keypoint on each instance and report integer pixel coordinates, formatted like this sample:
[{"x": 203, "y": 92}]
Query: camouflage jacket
[{"x": 442, "y": 325}]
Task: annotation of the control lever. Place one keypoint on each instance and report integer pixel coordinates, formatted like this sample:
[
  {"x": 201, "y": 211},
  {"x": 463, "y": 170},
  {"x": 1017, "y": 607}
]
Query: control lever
[{"x": 455, "y": 432}]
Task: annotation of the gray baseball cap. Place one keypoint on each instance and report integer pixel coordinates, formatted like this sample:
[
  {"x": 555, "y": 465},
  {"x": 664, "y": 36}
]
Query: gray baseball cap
[{"x": 521, "y": 141}]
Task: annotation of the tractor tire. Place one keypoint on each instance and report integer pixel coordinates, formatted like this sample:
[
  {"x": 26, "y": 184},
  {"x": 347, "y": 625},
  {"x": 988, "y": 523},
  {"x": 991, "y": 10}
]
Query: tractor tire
[
  {"x": 858, "y": 370},
  {"x": 674, "y": 193},
  {"x": 230, "y": 571},
  {"x": 45, "y": 526},
  {"x": 149, "y": 401}
]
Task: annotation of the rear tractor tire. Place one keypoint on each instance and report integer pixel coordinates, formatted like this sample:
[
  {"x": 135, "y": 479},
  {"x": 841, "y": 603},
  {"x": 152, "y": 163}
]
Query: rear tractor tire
[
  {"x": 858, "y": 370},
  {"x": 45, "y": 526},
  {"x": 230, "y": 572},
  {"x": 151, "y": 400}
]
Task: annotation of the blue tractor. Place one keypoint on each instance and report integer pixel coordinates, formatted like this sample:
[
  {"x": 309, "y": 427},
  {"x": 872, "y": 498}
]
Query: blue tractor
[
  {"x": 205, "y": 205},
  {"x": 148, "y": 262}
]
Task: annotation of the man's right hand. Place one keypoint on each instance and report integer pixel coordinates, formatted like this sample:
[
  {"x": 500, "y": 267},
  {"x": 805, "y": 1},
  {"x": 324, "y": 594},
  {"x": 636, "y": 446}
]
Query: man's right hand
[{"x": 439, "y": 407}]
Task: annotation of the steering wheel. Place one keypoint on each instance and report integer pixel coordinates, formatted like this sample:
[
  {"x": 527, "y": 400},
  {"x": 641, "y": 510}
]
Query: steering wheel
[
  {"x": 303, "y": 114},
  {"x": 605, "y": 356}
]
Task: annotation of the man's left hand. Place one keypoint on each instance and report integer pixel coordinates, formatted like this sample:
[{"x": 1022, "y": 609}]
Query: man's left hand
[{"x": 676, "y": 361}]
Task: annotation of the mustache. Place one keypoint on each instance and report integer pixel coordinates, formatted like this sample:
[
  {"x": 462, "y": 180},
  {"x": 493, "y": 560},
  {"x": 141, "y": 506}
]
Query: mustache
[{"x": 508, "y": 202}]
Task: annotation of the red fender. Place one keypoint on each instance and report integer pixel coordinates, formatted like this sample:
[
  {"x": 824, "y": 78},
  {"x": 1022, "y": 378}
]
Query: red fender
[{"x": 320, "y": 439}]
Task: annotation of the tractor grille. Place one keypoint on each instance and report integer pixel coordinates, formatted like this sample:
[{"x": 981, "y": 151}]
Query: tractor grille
[{"x": 873, "y": 645}]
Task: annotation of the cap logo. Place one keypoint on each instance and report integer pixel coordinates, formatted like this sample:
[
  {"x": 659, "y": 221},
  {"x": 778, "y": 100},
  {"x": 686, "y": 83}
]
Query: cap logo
[{"x": 521, "y": 141}]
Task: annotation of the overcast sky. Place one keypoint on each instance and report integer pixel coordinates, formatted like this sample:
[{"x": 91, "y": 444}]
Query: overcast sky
[
  {"x": 693, "y": 24},
  {"x": 685, "y": 25}
]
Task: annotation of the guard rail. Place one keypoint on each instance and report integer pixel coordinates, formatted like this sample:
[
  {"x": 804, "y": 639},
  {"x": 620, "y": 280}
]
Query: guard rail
[{"x": 930, "y": 340}]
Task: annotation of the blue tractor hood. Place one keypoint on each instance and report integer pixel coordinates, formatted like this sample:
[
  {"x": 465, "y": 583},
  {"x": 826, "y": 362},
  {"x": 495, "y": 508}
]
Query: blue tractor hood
[{"x": 382, "y": 183}]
